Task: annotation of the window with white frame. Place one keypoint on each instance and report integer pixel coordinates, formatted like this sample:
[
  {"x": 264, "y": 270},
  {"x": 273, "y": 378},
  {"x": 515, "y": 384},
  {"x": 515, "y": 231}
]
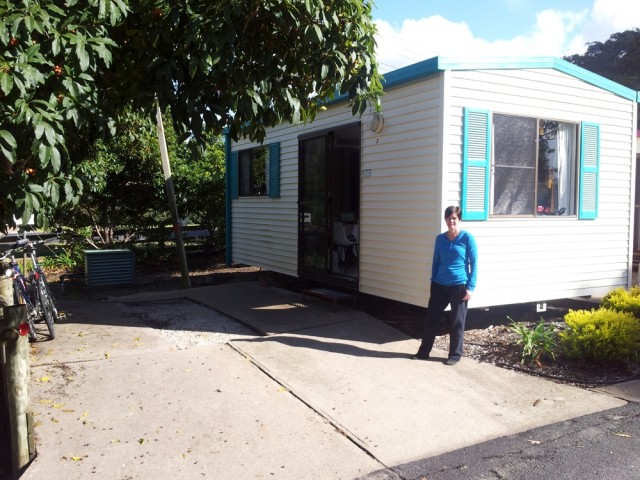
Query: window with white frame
[
  {"x": 534, "y": 166},
  {"x": 528, "y": 166}
]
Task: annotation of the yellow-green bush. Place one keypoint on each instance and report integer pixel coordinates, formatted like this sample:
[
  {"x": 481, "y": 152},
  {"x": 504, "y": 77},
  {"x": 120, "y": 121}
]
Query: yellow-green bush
[
  {"x": 623, "y": 300},
  {"x": 602, "y": 335}
]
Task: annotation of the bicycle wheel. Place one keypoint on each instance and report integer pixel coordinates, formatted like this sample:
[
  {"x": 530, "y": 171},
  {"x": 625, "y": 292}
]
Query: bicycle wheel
[
  {"x": 21, "y": 297},
  {"x": 46, "y": 304},
  {"x": 54, "y": 309}
]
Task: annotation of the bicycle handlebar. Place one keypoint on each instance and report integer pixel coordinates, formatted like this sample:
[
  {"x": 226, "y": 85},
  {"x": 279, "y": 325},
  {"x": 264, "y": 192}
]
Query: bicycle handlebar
[
  {"x": 21, "y": 244},
  {"x": 24, "y": 244}
]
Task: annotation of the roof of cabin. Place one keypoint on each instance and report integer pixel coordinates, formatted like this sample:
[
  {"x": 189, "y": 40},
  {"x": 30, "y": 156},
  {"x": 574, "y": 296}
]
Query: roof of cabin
[{"x": 435, "y": 65}]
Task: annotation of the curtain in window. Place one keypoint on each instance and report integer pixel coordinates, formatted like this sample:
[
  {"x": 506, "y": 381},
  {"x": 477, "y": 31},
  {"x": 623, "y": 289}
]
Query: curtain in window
[{"x": 565, "y": 154}]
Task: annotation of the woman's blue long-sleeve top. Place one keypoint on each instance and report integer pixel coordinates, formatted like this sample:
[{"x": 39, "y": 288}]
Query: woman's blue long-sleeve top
[{"x": 454, "y": 262}]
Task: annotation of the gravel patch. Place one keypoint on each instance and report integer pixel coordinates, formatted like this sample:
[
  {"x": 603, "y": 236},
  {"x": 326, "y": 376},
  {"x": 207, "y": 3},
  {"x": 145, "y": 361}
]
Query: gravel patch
[{"x": 188, "y": 324}]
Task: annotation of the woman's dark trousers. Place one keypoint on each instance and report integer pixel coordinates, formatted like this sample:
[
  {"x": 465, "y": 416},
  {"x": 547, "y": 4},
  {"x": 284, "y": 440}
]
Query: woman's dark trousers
[{"x": 442, "y": 296}]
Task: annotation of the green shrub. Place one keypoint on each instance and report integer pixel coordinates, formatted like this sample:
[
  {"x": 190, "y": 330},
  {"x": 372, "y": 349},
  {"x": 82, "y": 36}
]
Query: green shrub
[
  {"x": 63, "y": 259},
  {"x": 536, "y": 342},
  {"x": 623, "y": 300},
  {"x": 602, "y": 335}
]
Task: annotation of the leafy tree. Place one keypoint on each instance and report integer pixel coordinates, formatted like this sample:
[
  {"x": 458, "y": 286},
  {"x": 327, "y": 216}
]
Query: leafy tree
[
  {"x": 199, "y": 181},
  {"x": 125, "y": 188},
  {"x": 50, "y": 59},
  {"x": 67, "y": 68},
  {"x": 617, "y": 59},
  {"x": 123, "y": 182}
]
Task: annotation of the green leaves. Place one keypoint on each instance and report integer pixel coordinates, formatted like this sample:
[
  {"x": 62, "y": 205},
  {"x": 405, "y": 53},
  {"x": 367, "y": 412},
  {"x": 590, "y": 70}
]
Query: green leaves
[
  {"x": 6, "y": 82},
  {"x": 81, "y": 51},
  {"x": 536, "y": 342},
  {"x": 242, "y": 66},
  {"x": 50, "y": 156},
  {"x": 51, "y": 58},
  {"x": 8, "y": 145},
  {"x": 313, "y": 34}
]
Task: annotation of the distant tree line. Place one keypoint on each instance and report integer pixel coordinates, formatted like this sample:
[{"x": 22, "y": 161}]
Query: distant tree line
[{"x": 617, "y": 59}]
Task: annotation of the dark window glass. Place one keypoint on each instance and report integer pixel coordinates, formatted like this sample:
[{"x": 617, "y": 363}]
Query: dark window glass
[{"x": 252, "y": 172}]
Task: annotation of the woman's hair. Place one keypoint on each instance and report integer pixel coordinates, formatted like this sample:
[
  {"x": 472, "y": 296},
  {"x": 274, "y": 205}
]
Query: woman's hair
[{"x": 451, "y": 210}]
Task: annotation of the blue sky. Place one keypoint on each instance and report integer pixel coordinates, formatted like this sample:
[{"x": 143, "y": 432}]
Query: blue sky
[{"x": 413, "y": 30}]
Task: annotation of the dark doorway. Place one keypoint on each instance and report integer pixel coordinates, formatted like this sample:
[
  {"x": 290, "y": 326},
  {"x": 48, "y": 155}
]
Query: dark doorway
[{"x": 329, "y": 206}]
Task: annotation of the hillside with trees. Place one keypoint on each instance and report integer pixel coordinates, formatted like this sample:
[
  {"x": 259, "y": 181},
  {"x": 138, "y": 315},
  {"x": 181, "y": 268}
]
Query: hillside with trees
[{"x": 617, "y": 59}]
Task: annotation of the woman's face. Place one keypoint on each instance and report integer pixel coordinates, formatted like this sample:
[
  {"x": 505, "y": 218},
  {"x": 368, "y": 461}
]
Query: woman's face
[{"x": 452, "y": 221}]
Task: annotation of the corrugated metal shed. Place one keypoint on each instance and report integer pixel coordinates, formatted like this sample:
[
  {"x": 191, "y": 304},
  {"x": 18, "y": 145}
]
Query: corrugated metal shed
[{"x": 109, "y": 267}]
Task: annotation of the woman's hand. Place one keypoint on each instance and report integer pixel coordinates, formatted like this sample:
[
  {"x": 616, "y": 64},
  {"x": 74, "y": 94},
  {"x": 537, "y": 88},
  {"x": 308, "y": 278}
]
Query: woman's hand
[{"x": 467, "y": 295}]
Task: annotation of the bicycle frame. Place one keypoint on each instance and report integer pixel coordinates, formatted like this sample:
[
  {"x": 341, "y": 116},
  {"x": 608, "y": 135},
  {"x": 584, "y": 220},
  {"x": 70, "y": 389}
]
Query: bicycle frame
[
  {"x": 38, "y": 297},
  {"x": 21, "y": 293}
]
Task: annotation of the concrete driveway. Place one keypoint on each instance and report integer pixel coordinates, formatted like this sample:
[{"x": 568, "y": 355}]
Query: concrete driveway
[{"x": 312, "y": 394}]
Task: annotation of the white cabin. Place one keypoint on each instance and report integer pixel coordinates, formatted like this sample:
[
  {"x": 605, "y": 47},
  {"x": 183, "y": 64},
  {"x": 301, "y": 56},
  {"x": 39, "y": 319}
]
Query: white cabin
[{"x": 538, "y": 153}]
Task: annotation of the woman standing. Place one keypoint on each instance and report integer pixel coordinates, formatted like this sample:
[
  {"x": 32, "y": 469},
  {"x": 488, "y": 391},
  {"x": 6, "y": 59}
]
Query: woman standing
[{"x": 453, "y": 280}]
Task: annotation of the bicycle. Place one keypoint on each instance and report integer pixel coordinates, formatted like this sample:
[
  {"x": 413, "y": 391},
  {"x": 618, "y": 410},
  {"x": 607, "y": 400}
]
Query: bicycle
[
  {"x": 33, "y": 290},
  {"x": 21, "y": 293}
]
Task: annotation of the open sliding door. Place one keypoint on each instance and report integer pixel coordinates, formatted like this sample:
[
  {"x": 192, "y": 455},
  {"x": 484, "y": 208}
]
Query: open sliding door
[
  {"x": 328, "y": 206},
  {"x": 313, "y": 222}
]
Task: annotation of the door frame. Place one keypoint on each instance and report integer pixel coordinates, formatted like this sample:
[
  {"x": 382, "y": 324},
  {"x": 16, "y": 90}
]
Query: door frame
[{"x": 324, "y": 274}]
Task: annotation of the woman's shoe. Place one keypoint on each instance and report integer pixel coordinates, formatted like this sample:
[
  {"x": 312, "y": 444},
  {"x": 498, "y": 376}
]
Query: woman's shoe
[{"x": 419, "y": 356}]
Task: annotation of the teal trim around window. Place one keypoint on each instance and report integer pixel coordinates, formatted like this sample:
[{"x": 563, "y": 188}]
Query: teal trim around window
[
  {"x": 589, "y": 170},
  {"x": 227, "y": 196},
  {"x": 274, "y": 170},
  {"x": 476, "y": 160}
]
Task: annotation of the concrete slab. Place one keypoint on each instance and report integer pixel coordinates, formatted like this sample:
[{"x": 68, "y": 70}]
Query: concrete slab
[
  {"x": 402, "y": 410},
  {"x": 93, "y": 331},
  {"x": 204, "y": 411},
  {"x": 629, "y": 391},
  {"x": 269, "y": 310},
  {"x": 119, "y": 401}
]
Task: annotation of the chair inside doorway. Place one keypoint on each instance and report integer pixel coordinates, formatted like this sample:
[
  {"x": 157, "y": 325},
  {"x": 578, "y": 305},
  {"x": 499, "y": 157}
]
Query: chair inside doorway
[{"x": 344, "y": 255}]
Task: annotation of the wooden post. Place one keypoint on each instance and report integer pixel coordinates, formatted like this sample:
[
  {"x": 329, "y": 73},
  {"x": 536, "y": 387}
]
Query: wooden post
[
  {"x": 16, "y": 375},
  {"x": 168, "y": 181},
  {"x": 6, "y": 289}
]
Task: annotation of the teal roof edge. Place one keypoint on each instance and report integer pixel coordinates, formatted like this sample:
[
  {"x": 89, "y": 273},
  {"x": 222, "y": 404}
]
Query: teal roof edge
[{"x": 439, "y": 64}]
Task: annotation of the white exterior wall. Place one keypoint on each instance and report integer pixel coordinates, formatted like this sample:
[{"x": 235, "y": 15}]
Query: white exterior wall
[
  {"x": 537, "y": 259},
  {"x": 404, "y": 191},
  {"x": 264, "y": 231},
  {"x": 399, "y": 204},
  {"x": 400, "y": 200}
]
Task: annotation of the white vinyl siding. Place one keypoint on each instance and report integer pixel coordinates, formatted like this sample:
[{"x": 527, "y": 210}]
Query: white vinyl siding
[
  {"x": 400, "y": 199},
  {"x": 414, "y": 168},
  {"x": 264, "y": 231},
  {"x": 527, "y": 260}
]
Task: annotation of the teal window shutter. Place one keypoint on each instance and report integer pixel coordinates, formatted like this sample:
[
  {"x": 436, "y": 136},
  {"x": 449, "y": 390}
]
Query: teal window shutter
[
  {"x": 476, "y": 160},
  {"x": 274, "y": 170},
  {"x": 589, "y": 170},
  {"x": 233, "y": 175}
]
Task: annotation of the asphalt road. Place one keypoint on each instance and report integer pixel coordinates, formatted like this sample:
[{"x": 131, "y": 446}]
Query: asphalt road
[{"x": 600, "y": 446}]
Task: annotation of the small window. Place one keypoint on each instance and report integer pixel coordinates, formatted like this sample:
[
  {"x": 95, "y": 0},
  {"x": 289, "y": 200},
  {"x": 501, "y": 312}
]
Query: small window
[
  {"x": 534, "y": 166},
  {"x": 253, "y": 172}
]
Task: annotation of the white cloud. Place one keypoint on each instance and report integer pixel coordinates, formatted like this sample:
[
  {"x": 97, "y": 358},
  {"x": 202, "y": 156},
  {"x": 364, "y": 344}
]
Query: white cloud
[
  {"x": 555, "y": 33},
  {"x": 420, "y": 39},
  {"x": 611, "y": 16}
]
